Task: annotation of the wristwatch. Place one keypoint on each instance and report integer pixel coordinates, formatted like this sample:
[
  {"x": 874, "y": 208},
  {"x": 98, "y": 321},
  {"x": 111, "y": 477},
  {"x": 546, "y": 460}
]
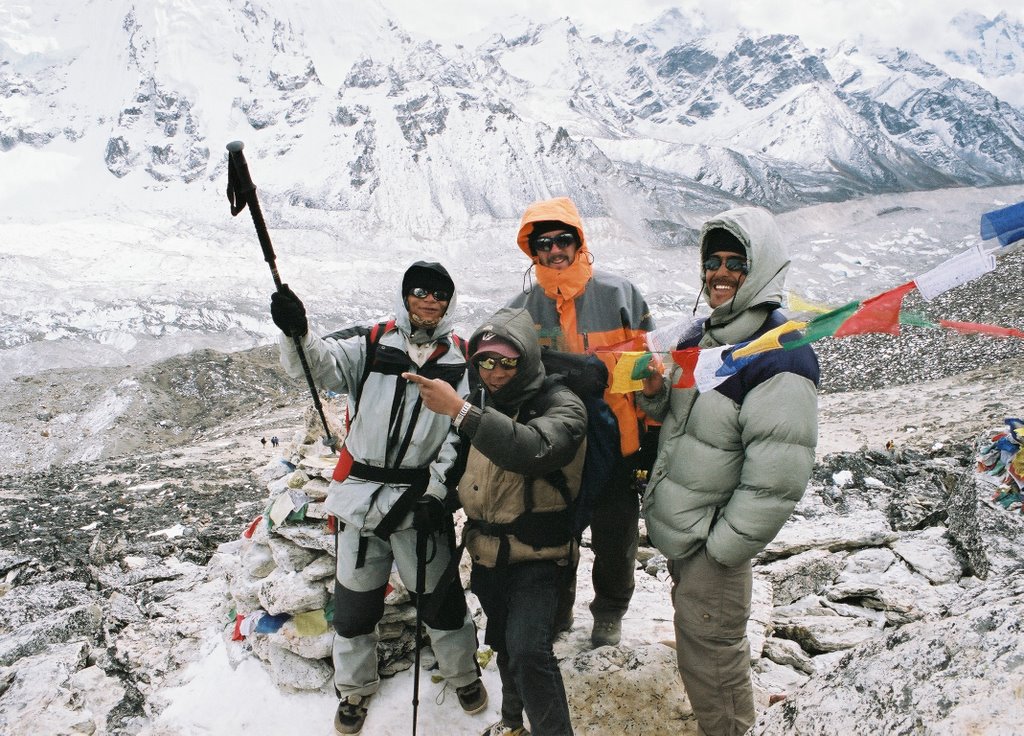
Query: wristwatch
[{"x": 457, "y": 421}]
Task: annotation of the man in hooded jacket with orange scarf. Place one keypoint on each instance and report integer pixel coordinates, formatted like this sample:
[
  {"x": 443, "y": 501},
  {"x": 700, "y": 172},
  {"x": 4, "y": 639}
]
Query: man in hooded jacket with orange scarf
[{"x": 578, "y": 309}]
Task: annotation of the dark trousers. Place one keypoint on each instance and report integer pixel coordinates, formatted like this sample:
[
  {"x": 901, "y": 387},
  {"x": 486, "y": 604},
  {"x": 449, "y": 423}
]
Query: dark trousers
[
  {"x": 520, "y": 601},
  {"x": 614, "y": 536}
]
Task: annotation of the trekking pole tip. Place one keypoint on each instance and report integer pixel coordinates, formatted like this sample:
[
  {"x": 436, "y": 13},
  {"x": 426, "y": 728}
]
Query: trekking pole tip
[{"x": 235, "y": 146}]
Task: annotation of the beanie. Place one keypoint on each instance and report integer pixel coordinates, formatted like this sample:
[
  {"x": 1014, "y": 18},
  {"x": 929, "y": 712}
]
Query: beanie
[
  {"x": 719, "y": 239},
  {"x": 428, "y": 275}
]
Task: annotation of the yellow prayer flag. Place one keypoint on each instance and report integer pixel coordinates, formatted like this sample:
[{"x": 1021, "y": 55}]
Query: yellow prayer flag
[
  {"x": 799, "y": 304},
  {"x": 622, "y": 376},
  {"x": 769, "y": 340},
  {"x": 310, "y": 623}
]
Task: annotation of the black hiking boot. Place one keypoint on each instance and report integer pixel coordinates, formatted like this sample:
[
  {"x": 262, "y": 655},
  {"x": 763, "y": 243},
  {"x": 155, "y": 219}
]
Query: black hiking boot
[
  {"x": 351, "y": 714},
  {"x": 472, "y": 697}
]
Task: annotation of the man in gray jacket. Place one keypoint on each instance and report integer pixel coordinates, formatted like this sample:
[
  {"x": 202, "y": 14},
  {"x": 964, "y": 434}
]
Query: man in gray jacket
[
  {"x": 390, "y": 483},
  {"x": 732, "y": 464}
]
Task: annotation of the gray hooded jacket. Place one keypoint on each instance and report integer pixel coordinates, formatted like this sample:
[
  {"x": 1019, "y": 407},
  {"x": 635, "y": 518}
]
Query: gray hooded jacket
[{"x": 732, "y": 462}]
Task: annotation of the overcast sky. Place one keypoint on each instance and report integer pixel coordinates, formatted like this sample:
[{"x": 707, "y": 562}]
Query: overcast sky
[{"x": 818, "y": 22}]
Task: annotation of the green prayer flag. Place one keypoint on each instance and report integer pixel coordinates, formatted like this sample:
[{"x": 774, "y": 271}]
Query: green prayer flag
[
  {"x": 824, "y": 325},
  {"x": 641, "y": 369}
]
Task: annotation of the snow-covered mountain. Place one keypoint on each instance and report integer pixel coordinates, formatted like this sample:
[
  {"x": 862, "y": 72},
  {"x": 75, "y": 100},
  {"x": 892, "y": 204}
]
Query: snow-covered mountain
[
  {"x": 357, "y": 115},
  {"x": 373, "y": 147}
]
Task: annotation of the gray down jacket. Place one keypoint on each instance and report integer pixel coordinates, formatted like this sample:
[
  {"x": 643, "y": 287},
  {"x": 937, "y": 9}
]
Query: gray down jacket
[{"x": 733, "y": 461}]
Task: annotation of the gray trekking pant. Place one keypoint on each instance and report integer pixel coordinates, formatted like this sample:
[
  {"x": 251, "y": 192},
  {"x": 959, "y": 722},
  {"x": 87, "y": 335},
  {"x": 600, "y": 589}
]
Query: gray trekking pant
[
  {"x": 712, "y": 605},
  {"x": 356, "y": 637}
]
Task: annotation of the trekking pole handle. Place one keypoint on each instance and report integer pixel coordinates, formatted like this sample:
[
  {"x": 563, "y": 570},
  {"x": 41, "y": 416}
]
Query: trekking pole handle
[{"x": 246, "y": 190}]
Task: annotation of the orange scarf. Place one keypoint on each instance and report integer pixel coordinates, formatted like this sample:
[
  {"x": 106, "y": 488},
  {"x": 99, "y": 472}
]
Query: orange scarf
[{"x": 563, "y": 287}]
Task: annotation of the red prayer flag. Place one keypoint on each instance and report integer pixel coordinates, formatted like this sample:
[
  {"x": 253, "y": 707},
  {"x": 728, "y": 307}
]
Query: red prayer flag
[
  {"x": 687, "y": 360},
  {"x": 878, "y": 314},
  {"x": 967, "y": 328}
]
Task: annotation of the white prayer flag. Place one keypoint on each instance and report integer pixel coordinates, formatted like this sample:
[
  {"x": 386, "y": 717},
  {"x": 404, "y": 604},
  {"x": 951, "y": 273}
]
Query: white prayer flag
[{"x": 959, "y": 269}]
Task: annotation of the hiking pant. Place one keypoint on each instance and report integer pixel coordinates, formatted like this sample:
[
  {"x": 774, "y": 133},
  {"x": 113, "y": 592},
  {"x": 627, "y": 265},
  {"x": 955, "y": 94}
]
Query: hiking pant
[
  {"x": 712, "y": 605},
  {"x": 614, "y": 536},
  {"x": 359, "y": 605},
  {"x": 520, "y": 601}
]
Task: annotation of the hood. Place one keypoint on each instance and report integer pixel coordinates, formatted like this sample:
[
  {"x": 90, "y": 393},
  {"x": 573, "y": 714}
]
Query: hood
[
  {"x": 516, "y": 326},
  {"x": 559, "y": 208},
  {"x": 402, "y": 311},
  {"x": 764, "y": 287}
]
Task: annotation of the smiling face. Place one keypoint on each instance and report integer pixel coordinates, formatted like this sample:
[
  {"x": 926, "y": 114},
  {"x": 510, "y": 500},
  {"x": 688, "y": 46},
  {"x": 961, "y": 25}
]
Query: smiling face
[
  {"x": 426, "y": 311},
  {"x": 560, "y": 252},
  {"x": 721, "y": 283}
]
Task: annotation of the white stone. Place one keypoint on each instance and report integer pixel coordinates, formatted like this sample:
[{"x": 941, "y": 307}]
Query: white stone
[
  {"x": 289, "y": 592},
  {"x": 291, "y": 557},
  {"x": 289, "y": 670}
]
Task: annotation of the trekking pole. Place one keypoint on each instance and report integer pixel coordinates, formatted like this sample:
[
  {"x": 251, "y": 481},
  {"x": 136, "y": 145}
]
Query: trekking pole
[
  {"x": 242, "y": 192},
  {"x": 421, "y": 583}
]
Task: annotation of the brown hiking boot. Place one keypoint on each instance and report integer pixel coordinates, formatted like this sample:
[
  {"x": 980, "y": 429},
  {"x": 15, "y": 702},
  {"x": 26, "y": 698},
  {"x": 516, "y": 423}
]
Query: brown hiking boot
[
  {"x": 472, "y": 697},
  {"x": 606, "y": 633},
  {"x": 351, "y": 714}
]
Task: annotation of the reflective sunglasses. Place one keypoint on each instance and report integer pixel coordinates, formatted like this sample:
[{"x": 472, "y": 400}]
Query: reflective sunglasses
[
  {"x": 442, "y": 295},
  {"x": 488, "y": 364},
  {"x": 563, "y": 241},
  {"x": 732, "y": 263}
]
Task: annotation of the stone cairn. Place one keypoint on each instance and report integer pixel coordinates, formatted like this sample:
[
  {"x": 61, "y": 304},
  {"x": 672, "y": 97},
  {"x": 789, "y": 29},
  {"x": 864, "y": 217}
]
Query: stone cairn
[{"x": 281, "y": 584}]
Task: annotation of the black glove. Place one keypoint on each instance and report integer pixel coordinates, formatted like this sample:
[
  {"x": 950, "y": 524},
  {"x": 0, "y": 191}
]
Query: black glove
[
  {"x": 429, "y": 515},
  {"x": 288, "y": 312}
]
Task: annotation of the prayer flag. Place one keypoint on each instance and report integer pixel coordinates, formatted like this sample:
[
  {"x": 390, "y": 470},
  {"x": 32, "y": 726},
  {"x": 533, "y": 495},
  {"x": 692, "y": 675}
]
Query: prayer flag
[
  {"x": 967, "y": 328},
  {"x": 958, "y": 270},
  {"x": 310, "y": 623},
  {"x": 1006, "y": 223},
  {"x": 798, "y": 304},
  {"x": 622, "y": 377},
  {"x": 878, "y": 314},
  {"x": 823, "y": 326},
  {"x": 687, "y": 361},
  {"x": 642, "y": 367},
  {"x": 768, "y": 341}
]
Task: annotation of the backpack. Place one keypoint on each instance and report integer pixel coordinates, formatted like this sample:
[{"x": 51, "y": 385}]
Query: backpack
[{"x": 586, "y": 375}]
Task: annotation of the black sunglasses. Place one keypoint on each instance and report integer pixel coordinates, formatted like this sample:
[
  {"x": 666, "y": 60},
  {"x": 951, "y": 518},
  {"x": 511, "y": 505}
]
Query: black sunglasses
[
  {"x": 488, "y": 364},
  {"x": 563, "y": 241},
  {"x": 442, "y": 295},
  {"x": 732, "y": 263}
]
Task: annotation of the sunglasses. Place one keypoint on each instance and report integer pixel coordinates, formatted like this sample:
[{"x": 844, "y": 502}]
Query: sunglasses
[
  {"x": 488, "y": 364},
  {"x": 732, "y": 263},
  {"x": 442, "y": 295},
  {"x": 563, "y": 241}
]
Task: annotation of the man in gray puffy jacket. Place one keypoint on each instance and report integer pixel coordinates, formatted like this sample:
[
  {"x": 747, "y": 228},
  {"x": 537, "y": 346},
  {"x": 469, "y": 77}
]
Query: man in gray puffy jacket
[
  {"x": 732, "y": 464},
  {"x": 391, "y": 482}
]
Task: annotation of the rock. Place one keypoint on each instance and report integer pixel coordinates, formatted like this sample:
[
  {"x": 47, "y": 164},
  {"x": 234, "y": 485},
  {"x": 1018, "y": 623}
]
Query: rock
[
  {"x": 618, "y": 690},
  {"x": 954, "y": 675},
  {"x": 298, "y": 673},
  {"x": 788, "y": 652},
  {"x": 291, "y": 557},
  {"x": 258, "y": 560},
  {"x": 310, "y": 537},
  {"x": 760, "y": 615},
  {"x": 309, "y": 647},
  {"x": 817, "y": 634},
  {"x": 54, "y": 692},
  {"x": 63, "y": 626},
  {"x": 321, "y": 568},
  {"x": 869, "y": 528},
  {"x": 289, "y": 592},
  {"x": 802, "y": 574},
  {"x": 928, "y": 554}
]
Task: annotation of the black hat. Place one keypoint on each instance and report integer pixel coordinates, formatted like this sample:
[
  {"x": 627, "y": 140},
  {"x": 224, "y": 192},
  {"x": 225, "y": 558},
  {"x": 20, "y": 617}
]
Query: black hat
[
  {"x": 719, "y": 239},
  {"x": 428, "y": 275},
  {"x": 545, "y": 226}
]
